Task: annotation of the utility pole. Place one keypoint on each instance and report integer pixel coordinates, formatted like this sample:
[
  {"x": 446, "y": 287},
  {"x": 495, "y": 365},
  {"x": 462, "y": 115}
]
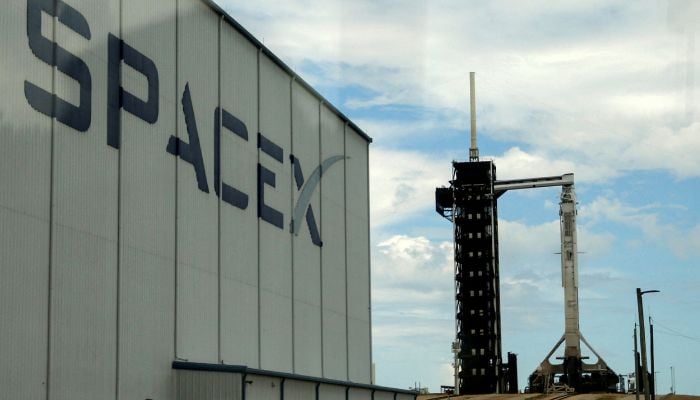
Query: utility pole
[
  {"x": 636, "y": 365},
  {"x": 642, "y": 340},
  {"x": 653, "y": 375},
  {"x": 673, "y": 380}
]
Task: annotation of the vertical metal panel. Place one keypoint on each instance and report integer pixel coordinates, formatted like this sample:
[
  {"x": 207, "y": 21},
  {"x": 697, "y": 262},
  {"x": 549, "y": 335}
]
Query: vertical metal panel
[
  {"x": 405, "y": 397},
  {"x": 378, "y": 395},
  {"x": 23, "y": 305},
  {"x": 201, "y": 385},
  {"x": 298, "y": 390},
  {"x": 25, "y": 170},
  {"x": 357, "y": 201},
  {"x": 147, "y": 209},
  {"x": 331, "y": 392},
  {"x": 359, "y": 354},
  {"x": 26, "y": 133},
  {"x": 85, "y": 197},
  {"x": 197, "y": 210},
  {"x": 307, "y": 256},
  {"x": 333, "y": 250},
  {"x": 335, "y": 342},
  {"x": 239, "y": 227},
  {"x": 262, "y": 387},
  {"x": 359, "y": 394},
  {"x": 276, "y": 244}
]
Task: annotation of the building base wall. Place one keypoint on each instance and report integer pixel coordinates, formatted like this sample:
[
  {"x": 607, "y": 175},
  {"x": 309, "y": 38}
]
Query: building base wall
[{"x": 197, "y": 381}]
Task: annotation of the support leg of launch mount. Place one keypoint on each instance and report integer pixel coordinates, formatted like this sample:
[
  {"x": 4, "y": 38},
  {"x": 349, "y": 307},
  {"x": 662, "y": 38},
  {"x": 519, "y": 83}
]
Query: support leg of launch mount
[{"x": 573, "y": 372}]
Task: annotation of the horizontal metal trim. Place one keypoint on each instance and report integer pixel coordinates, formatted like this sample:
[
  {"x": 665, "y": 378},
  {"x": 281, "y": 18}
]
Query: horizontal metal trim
[
  {"x": 258, "y": 44},
  {"x": 242, "y": 369}
]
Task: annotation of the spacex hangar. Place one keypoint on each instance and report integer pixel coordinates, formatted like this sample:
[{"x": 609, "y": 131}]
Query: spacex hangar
[{"x": 181, "y": 215}]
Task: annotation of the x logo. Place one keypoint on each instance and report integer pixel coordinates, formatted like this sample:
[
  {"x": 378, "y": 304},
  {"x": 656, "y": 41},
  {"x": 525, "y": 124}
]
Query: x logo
[{"x": 307, "y": 189}]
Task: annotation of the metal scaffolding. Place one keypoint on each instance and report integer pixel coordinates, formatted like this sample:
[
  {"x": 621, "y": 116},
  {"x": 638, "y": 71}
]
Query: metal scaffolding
[{"x": 470, "y": 203}]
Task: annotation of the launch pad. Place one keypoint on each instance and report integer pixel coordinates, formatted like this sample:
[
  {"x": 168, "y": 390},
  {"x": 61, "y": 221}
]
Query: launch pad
[{"x": 470, "y": 203}]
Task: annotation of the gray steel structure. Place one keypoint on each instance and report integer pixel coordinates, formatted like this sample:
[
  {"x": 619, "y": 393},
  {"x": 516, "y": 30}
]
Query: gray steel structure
[{"x": 152, "y": 157}]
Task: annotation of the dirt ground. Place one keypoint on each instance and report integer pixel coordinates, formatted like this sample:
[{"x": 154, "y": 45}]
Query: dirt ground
[{"x": 535, "y": 396}]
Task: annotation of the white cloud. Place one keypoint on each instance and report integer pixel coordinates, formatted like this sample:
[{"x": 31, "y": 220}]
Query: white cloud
[
  {"x": 676, "y": 150},
  {"x": 413, "y": 308},
  {"x": 413, "y": 264},
  {"x": 412, "y": 288},
  {"x": 534, "y": 247},
  {"x": 682, "y": 241},
  {"x": 516, "y": 163},
  {"x": 601, "y": 86},
  {"x": 402, "y": 184}
]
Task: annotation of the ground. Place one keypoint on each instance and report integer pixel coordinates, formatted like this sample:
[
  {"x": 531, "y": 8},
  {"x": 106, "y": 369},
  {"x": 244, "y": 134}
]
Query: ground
[{"x": 535, "y": 396}]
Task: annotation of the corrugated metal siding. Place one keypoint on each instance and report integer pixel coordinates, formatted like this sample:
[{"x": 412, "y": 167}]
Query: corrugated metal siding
[
  {"x": 239, "y": 228},
  {"x": 357, "y": 195},
  {"x": 197, "y": 210},
  {"x": 147, "y": 210},
  {"x": 23, "y": 305},
  {"x": 296, "y": 390},
  {"x": 265, "y": 384},
  {"x": 85, "y": 251},
  {"x": 276, "y": 329},
  {"x": 359, "y": 394},
  {"x": 380, "y": 395},
  {"x": 198, "y": 385},
  {"x": 306, "y": 256},
  {"x": 146, "y": 267},
  {"x": 335, "y": 358},
  {"x": 330, "y": 392},
  {"x": 25, "y": 171},
  {"x": 262, "y": 387}
]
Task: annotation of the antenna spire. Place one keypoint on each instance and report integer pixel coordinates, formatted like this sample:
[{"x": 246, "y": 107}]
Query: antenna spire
[{"x": 474, "y": 149}]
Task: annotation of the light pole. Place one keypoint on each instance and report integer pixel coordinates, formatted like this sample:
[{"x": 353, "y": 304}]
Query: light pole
[
  {"x": 656, "y": 379},
  {"x": 653, "y": 373},
  {"x": 636, "y": 366},
  {"x": 642, "y": 339}
]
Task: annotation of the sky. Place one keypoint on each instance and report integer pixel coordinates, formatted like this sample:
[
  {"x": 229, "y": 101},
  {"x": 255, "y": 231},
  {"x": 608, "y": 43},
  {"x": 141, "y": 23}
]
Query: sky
[{"x": 607, "y": 90}]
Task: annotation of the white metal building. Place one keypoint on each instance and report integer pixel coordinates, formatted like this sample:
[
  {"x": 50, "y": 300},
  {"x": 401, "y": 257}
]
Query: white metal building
[{"x": 181, "y": 216}]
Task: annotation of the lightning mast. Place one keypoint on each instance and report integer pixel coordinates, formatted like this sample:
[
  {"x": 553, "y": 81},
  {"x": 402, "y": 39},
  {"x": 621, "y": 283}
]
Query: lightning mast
[{"x": 473, "y": 149}]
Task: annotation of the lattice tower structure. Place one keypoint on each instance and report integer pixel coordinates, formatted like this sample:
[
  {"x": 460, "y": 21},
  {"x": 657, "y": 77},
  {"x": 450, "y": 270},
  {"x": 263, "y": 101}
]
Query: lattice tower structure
[{"x": 478, "y": 319}]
